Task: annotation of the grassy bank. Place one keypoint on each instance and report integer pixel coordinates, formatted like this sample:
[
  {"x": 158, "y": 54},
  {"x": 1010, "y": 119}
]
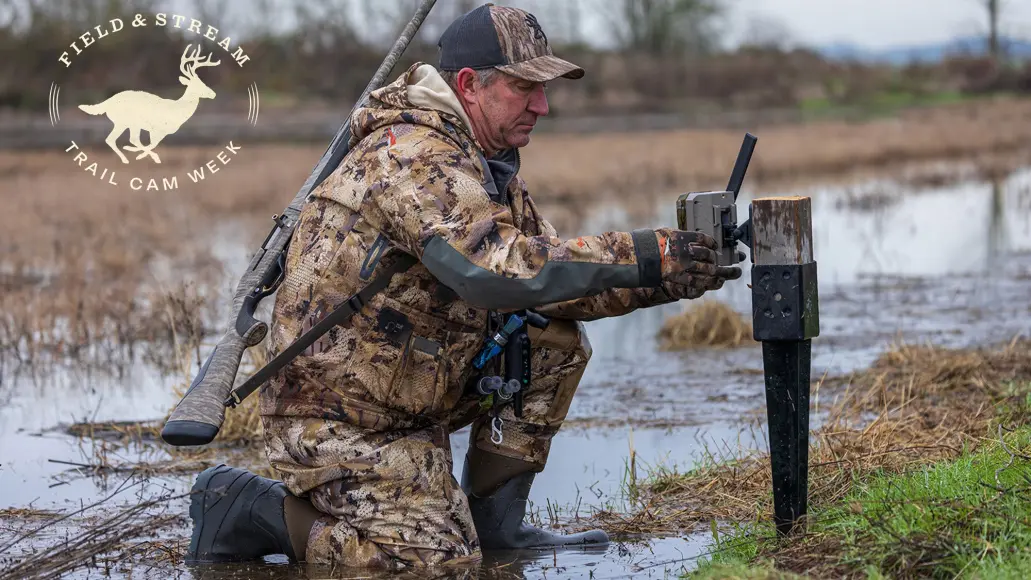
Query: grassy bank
[
  {"x": 917, "y": 469},
  {"x": 969, "y": 517},
  {"x": 883, "y": 103}
]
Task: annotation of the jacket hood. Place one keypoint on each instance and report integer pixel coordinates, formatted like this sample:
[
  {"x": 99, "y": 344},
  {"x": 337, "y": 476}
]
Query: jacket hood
[{"x": 419, "y": 96}]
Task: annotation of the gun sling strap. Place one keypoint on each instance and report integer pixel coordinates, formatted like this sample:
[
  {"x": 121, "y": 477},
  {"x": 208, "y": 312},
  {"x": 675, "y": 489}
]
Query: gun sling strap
[
  {"x": 340, "y": 315},
  {"x": 347, "y": 309}
]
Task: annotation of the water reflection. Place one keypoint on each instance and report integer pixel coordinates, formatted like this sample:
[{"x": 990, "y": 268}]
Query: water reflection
[
  {"x": 883, "y": 227},
  {"x": 874, "y": 229},
  {"x": 963, "y": 228},
  {"x": 657, "y": 558}
]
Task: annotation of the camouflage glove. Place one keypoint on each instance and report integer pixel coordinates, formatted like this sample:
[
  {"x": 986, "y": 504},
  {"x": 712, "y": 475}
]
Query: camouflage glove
[{"x": 689, "y": 267}]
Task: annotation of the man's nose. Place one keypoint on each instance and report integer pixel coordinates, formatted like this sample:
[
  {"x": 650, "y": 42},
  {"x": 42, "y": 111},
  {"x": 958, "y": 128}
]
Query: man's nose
[{"x": 538, "y": 101}]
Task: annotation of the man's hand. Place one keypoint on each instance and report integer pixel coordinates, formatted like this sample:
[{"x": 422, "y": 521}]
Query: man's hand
[{"x": 689, "y": 264}]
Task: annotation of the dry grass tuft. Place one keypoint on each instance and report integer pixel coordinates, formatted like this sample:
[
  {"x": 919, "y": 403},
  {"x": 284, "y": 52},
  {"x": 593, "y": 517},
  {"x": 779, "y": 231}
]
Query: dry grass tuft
[
  {"x": 709, "y": 323},
  {"x": 27, "y": 513},
  {"x": 916, "y": 405}
]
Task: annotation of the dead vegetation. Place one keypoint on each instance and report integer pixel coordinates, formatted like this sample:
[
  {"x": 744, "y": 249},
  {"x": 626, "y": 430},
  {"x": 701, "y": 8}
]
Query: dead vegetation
[
  {"x": 709, "y": 323},
  {"x": 91, "y": 271},
  {"x": 82, "y": 277},
  {"x": 98, "y": 275},
  {"x": 106, "y": 538},
  {"x": 626, "y": 166},
  {"x": 914, "y": 406}
]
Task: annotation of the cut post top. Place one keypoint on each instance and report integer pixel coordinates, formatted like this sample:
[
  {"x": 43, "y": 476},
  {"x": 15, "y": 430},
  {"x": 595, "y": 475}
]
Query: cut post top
[{"x": 782, "y": 230}]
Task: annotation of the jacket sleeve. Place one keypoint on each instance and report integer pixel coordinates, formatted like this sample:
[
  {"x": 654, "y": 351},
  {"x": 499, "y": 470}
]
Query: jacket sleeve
[
  {"x": 609, "y": 303},
  {"x": 436, "y": 207},
  {"x": 612, "y": 302}
]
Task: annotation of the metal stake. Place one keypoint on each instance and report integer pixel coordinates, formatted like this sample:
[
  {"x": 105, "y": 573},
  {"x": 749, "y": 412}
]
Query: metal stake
[{"x": 785, "y": 317}]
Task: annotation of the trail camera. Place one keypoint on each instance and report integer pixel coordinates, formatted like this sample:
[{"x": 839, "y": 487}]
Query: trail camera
[
  {"x": 712, "y": 213},
  {"x": 715, "y": 213}
]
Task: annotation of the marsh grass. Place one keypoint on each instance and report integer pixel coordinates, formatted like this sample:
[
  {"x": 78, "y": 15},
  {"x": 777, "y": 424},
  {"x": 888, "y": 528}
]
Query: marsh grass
[
  {"x": 92, "y": 321},
  {"x": 968, "y": 517},
  {"x": 708, "y": 323},
  {"x": 915, "y": 406},
  {"x": 105, "y": 537},
  {"x": 90, "y": 272},
  {"x": 87, "y": 270},
  {"x": 739, "y": 571}
]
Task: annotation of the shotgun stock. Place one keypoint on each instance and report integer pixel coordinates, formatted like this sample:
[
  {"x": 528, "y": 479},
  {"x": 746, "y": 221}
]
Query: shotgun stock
[{"x": 198, "y": 417}]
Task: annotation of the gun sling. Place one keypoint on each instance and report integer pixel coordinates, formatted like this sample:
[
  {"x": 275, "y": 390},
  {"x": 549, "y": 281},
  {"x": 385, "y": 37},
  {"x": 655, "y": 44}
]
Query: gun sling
[{"x": 340, "y": 315}]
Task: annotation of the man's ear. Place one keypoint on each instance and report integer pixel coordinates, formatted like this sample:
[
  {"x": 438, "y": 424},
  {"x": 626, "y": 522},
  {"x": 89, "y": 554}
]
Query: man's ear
[{"x": 468, "y": 85}]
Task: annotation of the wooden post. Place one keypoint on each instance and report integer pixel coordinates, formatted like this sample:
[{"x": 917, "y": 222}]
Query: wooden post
[{"x": 785, "y": 316}]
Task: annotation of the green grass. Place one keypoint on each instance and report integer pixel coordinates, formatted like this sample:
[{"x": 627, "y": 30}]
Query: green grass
[
  {"x": 737, "y": 549},
  {"x": 881, "y": 103},
  {"x": 967, "y": 518}
]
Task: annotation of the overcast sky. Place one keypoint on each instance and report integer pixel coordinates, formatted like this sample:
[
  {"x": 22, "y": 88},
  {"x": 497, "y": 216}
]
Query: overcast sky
[
  {"x": 881, "y": 23},
  {"x": 868, "y": 23}
]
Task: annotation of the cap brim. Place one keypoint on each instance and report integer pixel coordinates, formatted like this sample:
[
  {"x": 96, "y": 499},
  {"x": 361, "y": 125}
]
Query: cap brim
[{"x": 543, "y": 69}]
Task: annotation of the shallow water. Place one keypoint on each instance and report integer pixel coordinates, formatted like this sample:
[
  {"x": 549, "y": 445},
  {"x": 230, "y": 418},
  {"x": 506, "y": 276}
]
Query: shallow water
[{"x": 949, "y": 265}]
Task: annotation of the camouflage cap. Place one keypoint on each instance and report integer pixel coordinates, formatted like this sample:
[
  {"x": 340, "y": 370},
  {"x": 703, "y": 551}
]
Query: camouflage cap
[{"x": 508, "y": 39}]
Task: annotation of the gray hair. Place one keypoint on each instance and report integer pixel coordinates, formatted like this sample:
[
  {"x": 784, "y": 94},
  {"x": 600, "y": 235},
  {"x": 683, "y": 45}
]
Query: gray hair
[{"x": 485, "y": 76}]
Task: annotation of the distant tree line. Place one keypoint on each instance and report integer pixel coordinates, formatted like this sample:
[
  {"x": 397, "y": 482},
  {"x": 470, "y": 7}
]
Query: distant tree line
[{"x": 663, "y": 54}]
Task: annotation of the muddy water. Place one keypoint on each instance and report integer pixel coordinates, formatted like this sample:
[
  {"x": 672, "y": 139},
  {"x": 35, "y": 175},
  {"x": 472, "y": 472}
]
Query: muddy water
[{"x": 950, "y": 265}]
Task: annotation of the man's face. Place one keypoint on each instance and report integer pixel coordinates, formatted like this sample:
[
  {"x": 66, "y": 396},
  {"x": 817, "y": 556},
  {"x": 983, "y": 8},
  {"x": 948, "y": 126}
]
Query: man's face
[{"x": 509, "y": 108}]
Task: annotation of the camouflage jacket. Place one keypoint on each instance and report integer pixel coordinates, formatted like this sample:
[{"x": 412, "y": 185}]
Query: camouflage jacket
[{"x": 417, "y": 182}]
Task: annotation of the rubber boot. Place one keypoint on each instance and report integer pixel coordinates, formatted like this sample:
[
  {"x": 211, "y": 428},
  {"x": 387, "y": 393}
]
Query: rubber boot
[
  {"x": 237, "y": 515},
  {"x": 498, "y": 488}
]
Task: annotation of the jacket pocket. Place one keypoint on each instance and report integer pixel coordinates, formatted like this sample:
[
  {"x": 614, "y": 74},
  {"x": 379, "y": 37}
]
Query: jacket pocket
[
  {"x": 413, "y": 362},
  {"x": 418, "y": 384},
  {"x": 400, "y": 361},
  {"x": 461, "y": 348},
  {"x": 379, "y": 353}
]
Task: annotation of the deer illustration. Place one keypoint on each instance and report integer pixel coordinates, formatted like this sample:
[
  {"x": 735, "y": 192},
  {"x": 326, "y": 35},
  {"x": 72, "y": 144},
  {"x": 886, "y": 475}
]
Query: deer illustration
[{"x": 138, "y": 110}]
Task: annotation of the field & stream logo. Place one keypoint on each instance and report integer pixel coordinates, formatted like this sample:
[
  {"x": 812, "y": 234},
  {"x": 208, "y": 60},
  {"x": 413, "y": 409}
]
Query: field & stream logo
[{"x": 135, "y": 111}]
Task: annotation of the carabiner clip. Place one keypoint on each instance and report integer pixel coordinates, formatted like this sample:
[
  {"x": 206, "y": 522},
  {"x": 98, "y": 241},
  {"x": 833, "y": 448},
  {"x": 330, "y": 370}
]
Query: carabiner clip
[{"x": 495, "y": 431}]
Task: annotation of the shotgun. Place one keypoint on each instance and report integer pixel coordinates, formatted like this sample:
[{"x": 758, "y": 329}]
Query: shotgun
[{"x": 198, "y": 417}]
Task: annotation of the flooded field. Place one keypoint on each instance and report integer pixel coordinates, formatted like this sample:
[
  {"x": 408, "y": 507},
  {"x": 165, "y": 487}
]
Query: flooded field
[{"x": 947, "y": 264}]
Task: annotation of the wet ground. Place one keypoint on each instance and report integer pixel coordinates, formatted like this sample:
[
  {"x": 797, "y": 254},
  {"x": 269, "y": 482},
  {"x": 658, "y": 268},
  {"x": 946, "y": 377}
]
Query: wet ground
[{"x": 949, "y": 265}]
